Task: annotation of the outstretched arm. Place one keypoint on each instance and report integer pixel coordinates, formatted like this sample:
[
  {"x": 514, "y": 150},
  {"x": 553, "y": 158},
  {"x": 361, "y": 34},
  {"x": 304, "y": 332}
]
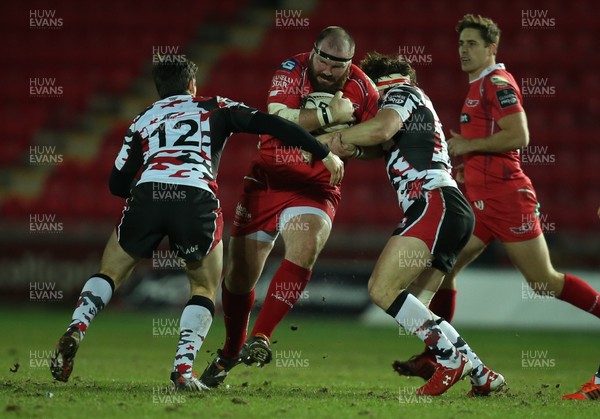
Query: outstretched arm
[
  {"x": 243, "y": 119},
  {"x": 376, "y": 130}
]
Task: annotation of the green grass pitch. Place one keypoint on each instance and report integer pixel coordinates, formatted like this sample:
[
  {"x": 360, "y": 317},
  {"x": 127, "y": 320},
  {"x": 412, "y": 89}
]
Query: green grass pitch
[{"x": 323, "y": 368}]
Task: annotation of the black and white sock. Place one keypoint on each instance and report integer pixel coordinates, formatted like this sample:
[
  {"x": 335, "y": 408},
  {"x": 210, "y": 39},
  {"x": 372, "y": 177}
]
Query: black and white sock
[
  {"x": 478, "y": 373},
  {"x": 193, "y": 327},
  {"x": 414, "y": 317},
  {"x": 95, "y": 295}
]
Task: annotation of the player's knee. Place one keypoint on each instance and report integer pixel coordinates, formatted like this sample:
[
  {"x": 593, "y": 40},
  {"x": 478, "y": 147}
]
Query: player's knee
[
  {"x": 551, "y": 284},
  {"x": 304, "y": 255},
  {"x": 240, "y": 281}
]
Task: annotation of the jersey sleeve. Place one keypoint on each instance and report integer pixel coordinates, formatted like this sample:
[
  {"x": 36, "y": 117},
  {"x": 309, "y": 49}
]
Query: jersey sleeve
[
  {"x": 130, "y": 157},
  {"x": 371, "y": 99},
  {"x": 223, "y": 102},
  {"x": 502, "y": 95},
  {"x": 286, "y": 84},
  {"x": 128, "y": 162},
  {"x": 403, "y": 100},
  {"x": 244, "y": 119}
]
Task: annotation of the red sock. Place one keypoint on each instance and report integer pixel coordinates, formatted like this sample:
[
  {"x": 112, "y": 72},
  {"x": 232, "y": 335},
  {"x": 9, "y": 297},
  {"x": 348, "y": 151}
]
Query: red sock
[
  {"x": 579, "y": 293},
  {"x": 443, "y": 303},
  {"x": 285, "y": 289},
  {"x": 236, "y": 310}
]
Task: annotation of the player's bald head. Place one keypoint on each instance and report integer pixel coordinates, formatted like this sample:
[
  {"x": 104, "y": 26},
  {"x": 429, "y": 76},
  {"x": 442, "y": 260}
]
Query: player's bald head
[{"x": 337, "y": 41}]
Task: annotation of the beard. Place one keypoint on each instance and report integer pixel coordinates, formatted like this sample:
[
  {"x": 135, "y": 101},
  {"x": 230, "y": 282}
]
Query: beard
[{"x": 331, "y": 85}]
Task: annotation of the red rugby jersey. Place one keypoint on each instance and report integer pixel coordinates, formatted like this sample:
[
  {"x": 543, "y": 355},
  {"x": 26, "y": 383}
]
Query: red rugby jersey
[
  {"x": 290, "y": 86},
  {"x": 492, "y": 96}
]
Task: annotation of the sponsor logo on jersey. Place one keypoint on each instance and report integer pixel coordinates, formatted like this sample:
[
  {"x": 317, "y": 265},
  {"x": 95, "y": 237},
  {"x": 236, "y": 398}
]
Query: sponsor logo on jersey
[
  {"x": 479, "y": 205},
  {"x": 281, "y": 80},
  {"x": 288, "y": 65},
  {"x": 397, "y": 98},
  {"x": 507, "y": 97},
  {"x": 465, "y": 118},
  {"x": 499, "y": 80},
  {"x": 471, "y": 103}
]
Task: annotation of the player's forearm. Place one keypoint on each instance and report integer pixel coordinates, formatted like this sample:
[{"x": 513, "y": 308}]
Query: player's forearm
[
  {"x": 288, "y": 132},
  {"x": 498, "y": 143},
  {"x": 308, "y": 120},
  {"x": 373, "y": 132}
]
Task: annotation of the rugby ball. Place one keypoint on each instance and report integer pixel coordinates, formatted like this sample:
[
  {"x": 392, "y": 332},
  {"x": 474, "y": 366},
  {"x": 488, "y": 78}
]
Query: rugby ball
[{"x": 320, "y": 100}]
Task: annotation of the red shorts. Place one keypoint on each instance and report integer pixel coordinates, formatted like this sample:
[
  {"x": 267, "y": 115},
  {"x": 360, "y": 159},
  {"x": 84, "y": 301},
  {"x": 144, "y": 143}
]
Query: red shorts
[
  {"x": 512, "y": 217},
  {"x": 262, "y": 210}
]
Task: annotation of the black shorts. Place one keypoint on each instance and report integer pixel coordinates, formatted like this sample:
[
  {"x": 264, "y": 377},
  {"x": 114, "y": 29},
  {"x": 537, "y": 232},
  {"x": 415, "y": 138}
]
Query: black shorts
[
  {"x": 444, "y": 220},
  {"x": 190, "y": 217}
]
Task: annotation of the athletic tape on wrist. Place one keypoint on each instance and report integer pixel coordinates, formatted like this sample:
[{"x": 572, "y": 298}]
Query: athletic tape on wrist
[{"x": 321, "y": 118}]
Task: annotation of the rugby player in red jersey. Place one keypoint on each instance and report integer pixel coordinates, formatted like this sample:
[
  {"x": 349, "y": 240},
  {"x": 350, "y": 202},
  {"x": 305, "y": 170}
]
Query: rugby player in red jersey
[
  {"x": 288, "y": 195},
  {"x": 177, "y": 143},
  {"x": 493, "y": 127}
]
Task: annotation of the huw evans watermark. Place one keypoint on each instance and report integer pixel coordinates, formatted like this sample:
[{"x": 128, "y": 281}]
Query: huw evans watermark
[
  {"x": 44, "y": 87},
  {"x": 291, "y": 19},
  {"x": 40, "y": 155},
  {"x": 167, "y": 395},
  {"x": 44, "y": 291},
  {"x": 167, "y": 259},
  {"x": 537, "y": 19},
  {"x": 44, "y": 19},
  {"x": 44, "y": 223},
  {"x": 165, "y": 327},
  {"x": 168, "y": 54},
  {"x": 290, "y": 359},
  {"x": 539, "y": 359},
  {"x": 416, "y": 54},
  {"x": 537, "y": 87}
]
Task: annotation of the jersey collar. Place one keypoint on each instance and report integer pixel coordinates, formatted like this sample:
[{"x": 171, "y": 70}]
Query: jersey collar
[{"x": 493, "y": 67}]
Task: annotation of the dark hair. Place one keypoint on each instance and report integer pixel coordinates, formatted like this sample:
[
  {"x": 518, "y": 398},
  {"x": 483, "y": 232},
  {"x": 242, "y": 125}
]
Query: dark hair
[
  {"x": 488, "y": 29},
  {"x": 172, "y": 77},
  {"x": 376, "y": 65},
  {"x": 338, "y": 35}
]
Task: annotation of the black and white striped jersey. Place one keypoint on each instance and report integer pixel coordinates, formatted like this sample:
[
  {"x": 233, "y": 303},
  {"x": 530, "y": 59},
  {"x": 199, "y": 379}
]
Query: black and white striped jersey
[{"x": 417, "y": 155}]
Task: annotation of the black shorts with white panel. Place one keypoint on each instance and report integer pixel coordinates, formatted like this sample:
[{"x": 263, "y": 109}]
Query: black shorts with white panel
[
  {"x": 190, "y": 217},
  {"x": 444, "y": 220}
]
